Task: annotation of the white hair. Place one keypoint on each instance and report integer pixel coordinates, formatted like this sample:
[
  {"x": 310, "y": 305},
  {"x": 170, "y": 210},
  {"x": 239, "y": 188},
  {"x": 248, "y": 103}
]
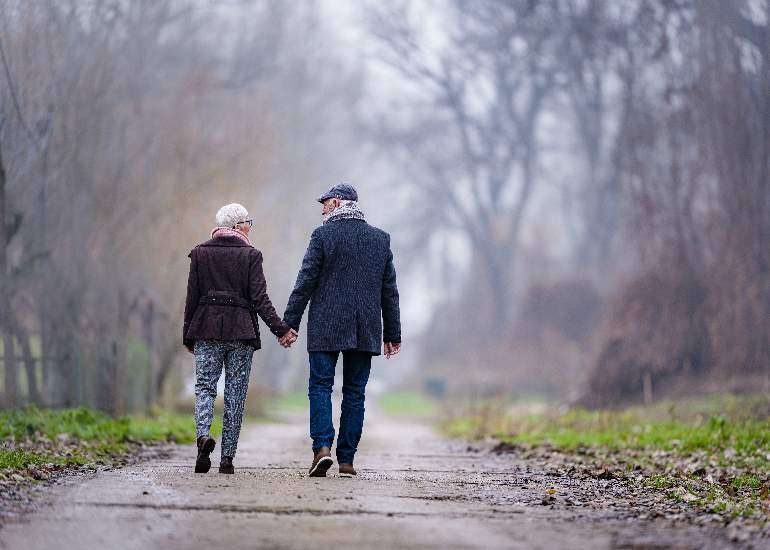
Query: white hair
[{"x": 231, "y": 215}]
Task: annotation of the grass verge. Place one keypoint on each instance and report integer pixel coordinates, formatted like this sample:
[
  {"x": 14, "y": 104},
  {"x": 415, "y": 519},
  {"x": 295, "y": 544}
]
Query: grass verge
[
  {"x": 408, "y": 403},
  {"x": 36, "y": 442},
  {"x": 292, "y": 402},
  {"x": 713, "y": 454}
]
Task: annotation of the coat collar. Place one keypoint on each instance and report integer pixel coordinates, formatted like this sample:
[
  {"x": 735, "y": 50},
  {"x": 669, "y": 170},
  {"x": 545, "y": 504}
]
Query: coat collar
[{"x": 225, "y": 241}]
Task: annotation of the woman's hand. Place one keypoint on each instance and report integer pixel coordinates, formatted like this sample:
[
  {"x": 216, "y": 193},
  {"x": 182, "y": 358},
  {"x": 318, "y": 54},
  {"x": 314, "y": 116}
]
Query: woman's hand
[{"x": 289, "y": 338}]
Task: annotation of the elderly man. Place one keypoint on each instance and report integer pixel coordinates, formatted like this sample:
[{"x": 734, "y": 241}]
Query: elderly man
[
  {"x": 226, "y": 290},
  {"x": 347, "y": 275}
]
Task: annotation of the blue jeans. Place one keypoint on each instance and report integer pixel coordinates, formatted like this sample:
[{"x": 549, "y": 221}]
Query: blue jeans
[{"x": 355, "y": 374}]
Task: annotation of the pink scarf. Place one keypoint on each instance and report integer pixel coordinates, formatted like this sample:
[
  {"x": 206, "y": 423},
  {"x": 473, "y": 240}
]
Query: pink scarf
[{"x": 227, "y": 232}]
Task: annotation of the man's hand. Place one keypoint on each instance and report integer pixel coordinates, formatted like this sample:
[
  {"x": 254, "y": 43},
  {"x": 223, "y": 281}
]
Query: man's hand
[
  {"x": 392, "y": 348},
  {"x": 289, "y": 338}
]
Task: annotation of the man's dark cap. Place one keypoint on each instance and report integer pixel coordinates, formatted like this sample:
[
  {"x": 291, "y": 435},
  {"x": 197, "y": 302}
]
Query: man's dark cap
[{"x": 341, "y": 191}]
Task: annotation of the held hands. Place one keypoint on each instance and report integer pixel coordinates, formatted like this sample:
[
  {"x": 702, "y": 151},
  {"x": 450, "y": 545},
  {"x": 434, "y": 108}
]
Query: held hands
[
  {"x": 289, "y": 338},
  {"x": 391, "y": 349}
]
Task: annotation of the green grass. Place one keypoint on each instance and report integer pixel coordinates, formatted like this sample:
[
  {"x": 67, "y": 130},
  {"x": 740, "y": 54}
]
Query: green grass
[
  {"x": 72, "y": 437},
  {"x": 746, "y": 480},
  {"x": 727, "y": 435},
  {"x": 18, "y": 458},
  {"x": 404, "y": 403},
  {"x": 90, "y": 425},
  {"x": 296, "y": 401},
  {"x": 165, "y": 426},
  {"x": 408, "y": 403},
  {"x": 635, "y": 428},
  {"x": 661, "y": 481}
]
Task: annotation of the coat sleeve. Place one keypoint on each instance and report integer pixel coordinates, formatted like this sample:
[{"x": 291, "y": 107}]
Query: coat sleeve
[
  {"x": 391, "y": 315},
  {"x": 191, "y": 302},
  {"x": 307, "y": 281},
  {"x": 259, "y": 298}
]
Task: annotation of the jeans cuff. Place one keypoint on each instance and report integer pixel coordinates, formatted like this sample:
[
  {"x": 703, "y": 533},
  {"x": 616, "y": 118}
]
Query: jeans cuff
[{"x": 318, "y": 444}]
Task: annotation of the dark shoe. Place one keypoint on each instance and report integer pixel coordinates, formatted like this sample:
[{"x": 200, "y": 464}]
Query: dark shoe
[
  {"x": 226, "y": 465},
  {"x": 347, "y": 469},
  {"x": 203, "y": 462},
  {"x": 322, "y": 461}
]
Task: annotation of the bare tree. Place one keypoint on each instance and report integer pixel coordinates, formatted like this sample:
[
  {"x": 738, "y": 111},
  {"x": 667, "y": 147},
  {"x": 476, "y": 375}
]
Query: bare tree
[
  {"x": 695, "y": 168},
  {"x": 598, "y": 83},
  {"x": 471, "y": 127},
  {"x": 124, "y": 128},
  {"x": 9, "y": 353}
]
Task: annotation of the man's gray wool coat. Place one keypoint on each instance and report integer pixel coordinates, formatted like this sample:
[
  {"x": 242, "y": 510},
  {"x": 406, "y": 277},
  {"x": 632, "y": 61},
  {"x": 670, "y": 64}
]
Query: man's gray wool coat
[{"x": 348, "y": 277}]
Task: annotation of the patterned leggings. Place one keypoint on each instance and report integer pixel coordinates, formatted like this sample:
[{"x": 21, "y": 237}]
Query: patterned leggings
[{"x": 210, "y": 356}]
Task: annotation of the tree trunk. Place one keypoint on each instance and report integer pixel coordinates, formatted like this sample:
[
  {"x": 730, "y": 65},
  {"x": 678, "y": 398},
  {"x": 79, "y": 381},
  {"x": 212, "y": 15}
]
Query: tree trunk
[
  {"x": 164, "y": 369},
  {"x": 148, "y": 325},
  {"x": 120, "y": 393},
  {"x": 9, "y": 354},
  {"x": 9, "y": 363},
  {"x": 647, "y": 388},
  {"x": 63, "y": 379},
  {"x": 42, "y": 306},
  {"x": 501, "y": 282},
  {"x": 45, "y": 352},
  {"x": 29, "y": 364},
  {"x": 492, "y": 269}
]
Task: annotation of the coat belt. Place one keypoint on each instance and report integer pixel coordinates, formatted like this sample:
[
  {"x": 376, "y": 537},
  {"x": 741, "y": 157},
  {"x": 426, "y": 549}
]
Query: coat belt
[{"x": 224, "y": 300}]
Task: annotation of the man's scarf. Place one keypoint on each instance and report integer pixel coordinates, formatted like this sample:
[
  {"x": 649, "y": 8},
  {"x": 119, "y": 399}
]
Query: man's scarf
[
  {"x": 229, "y": 232},
  {"x": 345, "y": 211}
]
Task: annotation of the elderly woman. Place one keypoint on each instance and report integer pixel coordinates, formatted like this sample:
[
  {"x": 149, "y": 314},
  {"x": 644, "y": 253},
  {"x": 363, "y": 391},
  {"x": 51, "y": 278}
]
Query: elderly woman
[{"x": 226, "y": 290}]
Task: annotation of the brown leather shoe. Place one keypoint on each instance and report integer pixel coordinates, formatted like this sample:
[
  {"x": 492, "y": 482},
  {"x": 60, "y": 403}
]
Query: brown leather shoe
[
  {"x": 226, "y": 465},
  {"x": 203, "y": 462},
  {"x": 347, "y": 469},
  {"x": 322, "y": 461}
]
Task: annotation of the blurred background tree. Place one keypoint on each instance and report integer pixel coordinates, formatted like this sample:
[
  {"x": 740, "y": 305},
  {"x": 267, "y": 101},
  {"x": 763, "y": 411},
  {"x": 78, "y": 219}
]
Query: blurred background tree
[
  {"x": 594, "y": 179},
  {"x": 577, "y": 189}
]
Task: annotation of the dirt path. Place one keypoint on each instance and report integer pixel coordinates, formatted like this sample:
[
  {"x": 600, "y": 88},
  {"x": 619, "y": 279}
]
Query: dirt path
[{"x": 414, "y": 490}]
